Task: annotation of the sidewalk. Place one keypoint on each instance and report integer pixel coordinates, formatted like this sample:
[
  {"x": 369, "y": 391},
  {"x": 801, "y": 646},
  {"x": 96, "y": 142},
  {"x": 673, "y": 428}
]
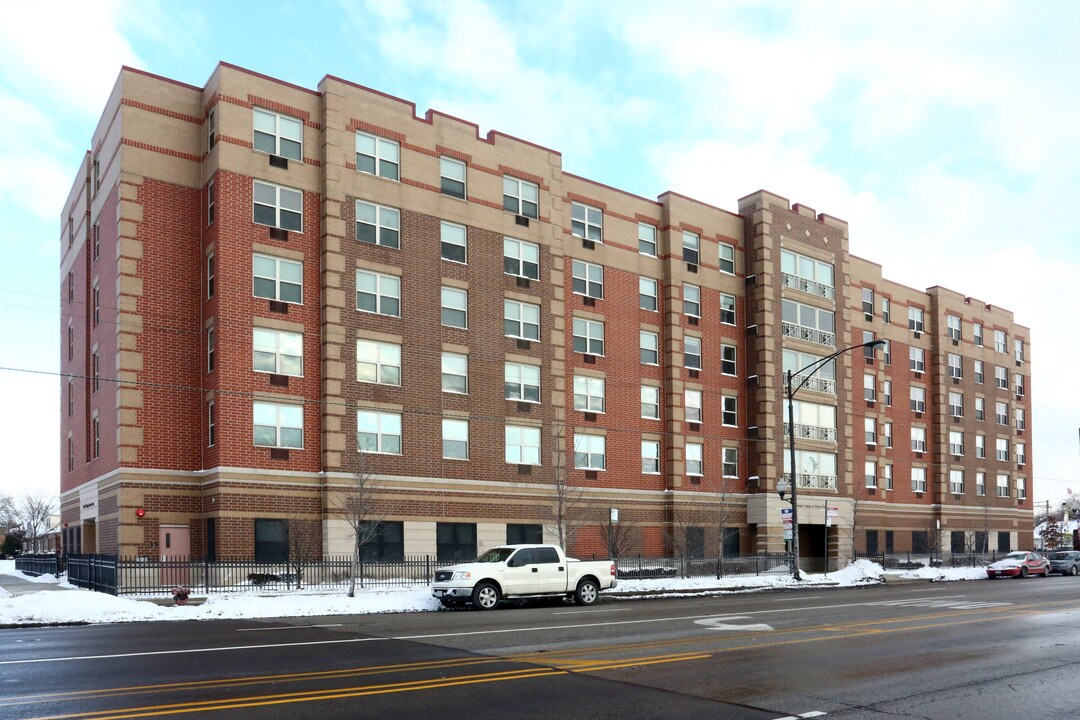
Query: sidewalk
[{"x": 20, "y": 586}]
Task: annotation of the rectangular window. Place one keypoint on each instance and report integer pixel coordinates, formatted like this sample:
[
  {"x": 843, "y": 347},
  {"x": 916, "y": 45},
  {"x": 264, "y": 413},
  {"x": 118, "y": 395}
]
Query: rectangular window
[
  {"x": 1018, "y": 350},
  {"x": 210, "y": 271},
  {"x": 692, "y": 352},
  {"x": 95, "y": 424},
  {"x": 278, "y": 134},
  {"x": 887, "y": 432},
  {"x": 692, "y": 405},
  {"x": 278, "y": 425},
  {"x": 730, "y": 417},
  {"x": 886, "y": 476},
  {"x": 588, "y": 394},
  {"x": 586, "y": 222},
  {"x": 588, "y": 279},
  {"x": 806, "y": 274},
  {"x": 211, "y": 130},
  {"x": 377, "y": 156},
  {"x": 868, "y": 351},
  {"x": 917, "y": 359},
  {"x": 956, "y": 482},
  {"x": 1001, "y": 377},
  {"x": 977, "y": 333},
  {"x": 378, "y": 362},
  {"x": 918, "y": 480},
  {"x": 521, "y": 320},
  {"x": 980, "y": 446},
  {"x": 886, "y": 352},
  {"x": 953, "y": 329},
  {"x": 1021, "y": 489},
  {"x": 70, "y": 341},
  {"x": 211, "y": 202},
  {"x": 980, "y": 483},
  {"x": 1001, "y": 410},
  {"x": 980, "y": 408},
  {"x": 70, "y": 398},
  {"x": 691, "y": 247},
  {"x": 869, "y": 387},
  {"x": 71, "y": 454},
  {"x": 95, "y": 295},
  {"x": 521, "y": 259},
  {"x": 588, "y": 336},
  {"x": 378, "y": 225},
  {"x": 727, "y": 258},
  {"x": 378, "y": 432},
  {"x": 278, "y": 352},
  {"x": 980, "y": 377},
  {"x": 886, "y": 391},
  {"x": 455, "y": 439},
  {"x": 918, "y": 399},
  {"x": 1002, "y": 449},
  {"x": 453, "y": 241},
  {"x": 70, "y": 287},
  {"x": 278, "y": 207},
  {"x": 455, "y": 307},
  {"x": 452, "y": 177},
  {"x": 870, "y": 473},
  {"x": 525, "y": 534},
  {"x": 805, "y": 322},
  {"x": 211, "y": 424},
  {"x": 915, "y": 319},
  {"x": 650, "y": 457},
  {"x": 455, "y": 542},
  {"x": 727, "y": 359},
  {"x": 1018, "y": 379},
  {"x": 96, "y": 240},
  {"x": 868, "y": 301},
  {"x": 521, "y": 197},
  {"x": 727, "y": 309},
  {"x": 95, "y": 370},
  {"x": 886, "y": 310},
  {"x": 956, "y": 404},
  {"x": 521, "y": 382},
  {"x": 870, "y": 430},
  {"x": 694, "y": 459},
  {"x": 1018, "y": 416},
  {"x": 646, "y": 239},
  {"x": 956, "y": 442},
  {"x": 1003, "y": 485},
  {"x": 918, "y": 439},
  {"x": 589, "y": 451},
  {"x": 522, "y": 445},
  {"x": 386, "y": 543},
  {"x": 378, "y": 293},
  {"x": 455, "y": 373},
  {"x": 650, "y": 402},
  {"x": 1001, "y": 341},
  {"x": 278, "y": 279},
  {"x": 647, "y": 294},
  {"x": 956, "y": 367},
  {"x": 649, "y": 343},
  {"x": 730, "y": 460},
  {"x": 1021, "y": 453},
  {"x": 691, "y": 300}
]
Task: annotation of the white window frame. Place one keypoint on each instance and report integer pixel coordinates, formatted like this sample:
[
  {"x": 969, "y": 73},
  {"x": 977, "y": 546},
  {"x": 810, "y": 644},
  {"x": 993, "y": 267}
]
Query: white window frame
[
  {"x": 521, "y": 445},
  {"x": 1019, "y": 418},
  {"x": 956, "y": 366},
  {"x": 729, "y": 462},
  {"x": 727, "y": 258},
  {"x": 650, "y": 402},
  {"x": 521, "y": 309},
  {"x": 918, "y": 479},
  {"x": 286, "y": 204},
  {"x": 886, "y": 392},
  {"x": 729, "y": 411},
  {"x": 956, "y": 443},
  {"x": 384, "y": 359},
  {"x": 525, "y": 254},
  {"x": 448, "y": 370},
  {"x": 980, "y": 447},
  {"x": 1001, "y": 377},
  {"x": 286, "y": 128},
  {"x": 980, "y": 484},
  {"x": 589, "y": 331},
  {"x": 916, "y": 318},
  {"x": 887, "y": 476},
  {"x": 1020, "y": 450},
  {"x": 956, "y": 404},
  {"x": 691, "y": 305},
  {"x": 918, "y": 439},
  {"x": 886, "y": 310},
  {"x": 1001, "y": 449},
  {"x": 521, "y": 197},
  {"x": 518, "y": 376},
  {"x": 590, "y": 394},
  {"x": 695, "y": 462},
  {"x": 647, "y": 294},
  {"x": 980, "y": 409},
  {"x": 956, "y": 482},
  {"x": 584, "y": 280},
  {"x": 870, "y": 430},
  {"x": 1001, "y": 342},
  {"x": 452, "y": 433},
  {"x": 886, "y": 434},
  {"x": 1021, "y": 488},
  {"x": 692, "y": 352},
  {"x": 729, "y": 360},
  {"x": 384, "y": 289},
  {"x": 383, "y": 154},
  {"x": 692, "y": 405},
  {"x": 586, "y": 222},
  {"x": 1018, "y": 350},
  {"x": 952, "y": 326},
  {"x": 869, "y": 387},
  {"x": 211, "y": 349},
  {"x": 870, "y": 473},
  {"x": 1003, "y": 485},
  {"x": 277, "y": 343},
  {"x": 916, "y": 359},
  {"x": 448, "y": 169},
  {"x": 647, "y": 235},
  {"x": 727, "y": 309},
  {"x": 649, "y": 342},
  {"x": 451, "y": 236},
  {"x": 1001, "y": 412},
  {"x": 918, "y": 399},
  {"x": 276, "y": 278},
  {"x": 391, "y": 420},
  {"x": 980, "y": 372},
  {"x": 691, "y": 247},
  {"x": 453, "y": 300},
  {"x": 650, "y": 457},
  {"x": 593, "y": 448},
  {"x": 280, "y": 423},
  {"x": 384, "y": 221}
]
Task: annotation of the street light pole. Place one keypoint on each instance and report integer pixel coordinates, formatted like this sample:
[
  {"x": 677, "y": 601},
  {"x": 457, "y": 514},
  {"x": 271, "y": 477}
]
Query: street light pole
[{"x": 794, "y": 484}]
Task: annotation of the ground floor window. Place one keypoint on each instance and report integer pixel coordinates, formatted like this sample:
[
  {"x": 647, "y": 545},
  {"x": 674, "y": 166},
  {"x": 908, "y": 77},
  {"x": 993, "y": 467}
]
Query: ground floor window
[
  {"x": 730, "y": 542},
  {"x": 271, "y": 540},
  {"x": 1004, "y": 542},
  {"x": 889, "y": 542},
  {"x": 871, "y": 542},
  {"x": 920, "y": 544},
  {"x": 957, "y": 541},
  {"x": 981, "y": 542},
  {"x": 522, "y": 534},
  {"x": 386, "y": 542},
  {"x": 455, "y": 542},
  {"x": 694, "y": 537}
]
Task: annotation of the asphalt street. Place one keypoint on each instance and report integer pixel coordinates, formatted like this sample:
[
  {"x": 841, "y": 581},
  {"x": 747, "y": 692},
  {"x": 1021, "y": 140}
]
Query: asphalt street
[{"x": 1005, "y": 649}]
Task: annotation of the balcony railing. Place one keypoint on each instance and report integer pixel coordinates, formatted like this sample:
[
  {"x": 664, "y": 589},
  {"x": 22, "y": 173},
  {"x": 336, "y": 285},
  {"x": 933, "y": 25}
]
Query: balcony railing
[
  {"x": 816, "y": 482},
  {"x": 816, "y": 383},
  {"x": 812, "y": 432},
  {"x": 809, "y": 334},
  {"x": 807, "y": 286}
]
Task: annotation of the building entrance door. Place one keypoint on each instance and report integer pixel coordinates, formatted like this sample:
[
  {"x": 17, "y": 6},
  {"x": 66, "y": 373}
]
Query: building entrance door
[
  {"x": 174, "y": 543},
  {"x": 812, "y": 547}
]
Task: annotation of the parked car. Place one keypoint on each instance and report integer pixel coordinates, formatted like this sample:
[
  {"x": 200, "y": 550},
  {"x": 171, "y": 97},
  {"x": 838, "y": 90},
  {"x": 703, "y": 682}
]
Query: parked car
[
  {"x": 522, "y": 571},
  {"x": 1066, "y": 562},
  {"x": 1019, "y": 564}
]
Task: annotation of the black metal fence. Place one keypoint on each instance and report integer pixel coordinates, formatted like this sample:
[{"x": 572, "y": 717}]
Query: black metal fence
[
  {"x": 94, "y": 572},
  {"x": 634, "y": 568},
  {"x": 44, "y": 564}
]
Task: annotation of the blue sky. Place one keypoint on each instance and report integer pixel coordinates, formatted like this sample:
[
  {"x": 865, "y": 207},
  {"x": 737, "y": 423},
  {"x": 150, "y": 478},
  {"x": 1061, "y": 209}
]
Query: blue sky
[{"x": 944, "y": 133}]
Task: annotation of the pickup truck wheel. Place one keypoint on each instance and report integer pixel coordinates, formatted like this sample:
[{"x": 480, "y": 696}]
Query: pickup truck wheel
[
  {"x": 485, "y": 596},
  {"x": 587, "y": 592}
]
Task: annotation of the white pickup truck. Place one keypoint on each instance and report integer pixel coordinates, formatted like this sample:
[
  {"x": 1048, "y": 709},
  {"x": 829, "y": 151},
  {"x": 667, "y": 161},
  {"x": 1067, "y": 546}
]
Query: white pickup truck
[{"x": 522, "y": 571}]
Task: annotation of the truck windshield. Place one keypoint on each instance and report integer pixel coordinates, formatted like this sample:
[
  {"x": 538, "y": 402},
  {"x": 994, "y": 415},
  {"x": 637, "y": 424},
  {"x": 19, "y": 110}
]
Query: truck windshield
[{"x": 495, "y": 555}]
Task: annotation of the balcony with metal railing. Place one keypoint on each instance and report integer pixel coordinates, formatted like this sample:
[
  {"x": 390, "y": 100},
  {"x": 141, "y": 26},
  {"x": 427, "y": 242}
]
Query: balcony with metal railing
[
  {"x": 815, "y": 383},
  {"x": 813, "y": 335},
  {"x": 812, "y": 432},
  {"x": 807, "y": 286},
  {"x": 813, "y": 482}
]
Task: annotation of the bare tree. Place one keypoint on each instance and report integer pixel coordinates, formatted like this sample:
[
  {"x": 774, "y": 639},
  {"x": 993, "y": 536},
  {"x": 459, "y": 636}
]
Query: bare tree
[
  {"x": 571, "y": 506},
  {"x": 8, "y": 516},
  {"x": 620, "y": 537},
  {"x": 303, "y": 545},
  {"x": 32, "y": 513},
  {"x": 357, "y": 503}
]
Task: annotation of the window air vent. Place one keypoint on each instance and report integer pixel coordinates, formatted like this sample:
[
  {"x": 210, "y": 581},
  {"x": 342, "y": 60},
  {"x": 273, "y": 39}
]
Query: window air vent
[
  {"x": 694, "y": 373},
  {"x": 524, "y": 469},
  {"x": 588, "y": 244},
  {"x": 279, "y": 306},
  {"x": 692, "y": 320},
  {"x": 522, "y": 221},
  {"x": 590, "y": 301},
  {"x": 279, "y": 453},
  {"x": 955, "y": 342},
  {"x": 524, "y": 406},
  {"x": 691, "y": 267},
  {"x": 523, "y": 344},
  {"x": 751, "y": 279},
  {"x": 279, "y": 380},
  {"x": 279, "y": 234},
  {"x": 590, "y": 359},
  {"x": 693, "y": 427},
  {"x": 956, "y": 381},
  {"x": 590, "y": 417},
  {"x": 590, "y": 475},
  {"x": 695, "y": 480},
  {"x": 523, "y": 282},
  {"x": 918, "y": 334},
  {"x": 279, "y": 162}
]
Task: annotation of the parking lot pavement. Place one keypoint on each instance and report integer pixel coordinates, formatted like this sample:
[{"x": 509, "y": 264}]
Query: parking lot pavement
[{"x": 17, "y": 585}]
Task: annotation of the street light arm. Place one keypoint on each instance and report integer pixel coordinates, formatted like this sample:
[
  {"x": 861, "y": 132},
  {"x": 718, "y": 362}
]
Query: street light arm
[{"x": 818, "y": 364}]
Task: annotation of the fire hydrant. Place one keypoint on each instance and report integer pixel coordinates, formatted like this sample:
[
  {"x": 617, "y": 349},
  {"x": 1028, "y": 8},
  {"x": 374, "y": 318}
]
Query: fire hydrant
[{"x": 180, "y": 595}]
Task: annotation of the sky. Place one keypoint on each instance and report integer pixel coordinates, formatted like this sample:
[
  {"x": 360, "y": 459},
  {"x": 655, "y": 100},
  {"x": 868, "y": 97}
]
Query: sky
[{"x": 944, "y": 133}]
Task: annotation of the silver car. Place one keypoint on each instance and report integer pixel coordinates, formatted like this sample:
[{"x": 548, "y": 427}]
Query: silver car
[{"x": 1065, "y": 562}]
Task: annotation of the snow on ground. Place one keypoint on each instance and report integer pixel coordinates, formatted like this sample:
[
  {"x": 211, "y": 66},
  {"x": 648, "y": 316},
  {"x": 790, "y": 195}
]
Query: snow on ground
[{"x": 82, "y": 606}]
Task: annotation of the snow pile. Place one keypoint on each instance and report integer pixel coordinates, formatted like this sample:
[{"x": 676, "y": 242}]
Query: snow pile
[
  {"x": 860, "y": 572},
  {"x": 942, "y": 574}
]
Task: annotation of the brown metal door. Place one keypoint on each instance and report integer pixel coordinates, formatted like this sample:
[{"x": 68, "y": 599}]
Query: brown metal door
[{"x": 175, "y": 545}]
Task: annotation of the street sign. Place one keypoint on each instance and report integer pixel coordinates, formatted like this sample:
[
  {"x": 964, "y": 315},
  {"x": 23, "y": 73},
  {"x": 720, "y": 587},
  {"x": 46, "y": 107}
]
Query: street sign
[
  {"x": 785, "y": 512},
  {"x": 788, "y": 533},
  {"x": 832, "y": 512}
]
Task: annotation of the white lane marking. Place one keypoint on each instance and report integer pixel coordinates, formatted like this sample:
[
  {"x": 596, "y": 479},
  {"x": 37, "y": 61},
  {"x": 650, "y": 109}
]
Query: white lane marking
[
  {"x": 950, "y": 602},
  {"x": 288, "y": 627},
  {"x": 811, "y": 597},
  {"x": 811, "y": 714},
  {"x": 722, "y": 623},
  {"x": 345, "y": 641},
  {"x": 582, "y": 612}
]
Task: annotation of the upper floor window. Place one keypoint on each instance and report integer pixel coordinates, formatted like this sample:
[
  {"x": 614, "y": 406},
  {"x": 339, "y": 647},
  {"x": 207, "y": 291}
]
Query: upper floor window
[
  {"x": 278, "y": 134},
  {"x": 1018, "y": 379},
  {"x": 727, "y": 309},
  {"x": 650, "y": 457},
  {"x": 918, "y": 439},
  {"x": 589, "y": 451},
  {"x": 1001, "y": 413},
  {"x": 378, "y": 362},
  {"x": 96, "y": 300},
  {"x": 691, "y": 301},
  {"x": 278, "y": 279},
  {"x": 692, "y": 405},
  {"x": 521, "y": 382},
  {"x": 522, "y": 445},
  {"x": 453, "y": 241},
  {"x": 378, "y": 225},
  {"x": 694, "y": 465},
  {"x": 956, "y": 442},
  {"x": 956, "y": 482},
  {"x": 455, "y": 373},
  {"x": 806, "y": 322},
  {"x": 730, "y": 411},
  {"x": 646, "y": 239},
  {"x": 727, "y": 258},
  {"x": 918, "y": 399},
  {"x": 956, "y": 404},
  {"x": 278, "y": 352},
  {"x": 886, "y": 310},
  {"x": 691, "y": 247},
  {"x": 455, "y": 307},
  {"x": 378, "y": 293},
  {"x": 455, "y": 434},
  {"x": 588, "y": 336},
  {"x": 278, "y": 425},
  {"x": 521, "y": 259},
  {"x": 953, "y": 326},
  {"x": 917, "y": 359},
  {"x": 521, "y": 320},
  {"x": 1001, "y": 377},
  {"x": 587, "y": 279},
  {"x": 647, "y": 294},
  {"x": 915, "y": 319},
  {"x": 650, "y": 402},
  {"x": 692, "y": 352},
  {"x": 649, "y": 343},
  {"x": 210, "y": 270},
  {"x": 452, "y": 177},
  {"x": 588, "y": 394},
  {"x": 211, "y": 130},
  {"x": 956, "y": 368},
  {"x": 806, "y": 274},
  {"x": 977, "y": 333},
  {"x": 868, "y": 301},
  {"x": 823, "y": 379},
  {"x": 211, "y": 202},
  {"x": 1001, "y": 341},
  {"x": 979, "y": 374},
  {"x": 377, "y": 156},
  {"x": 521, "y": 197},
  {"x": 730, "y": 459},
  {"x": 1018, "y": 350},
  {"x": 586, "y": 222},
  {"x": 1003, "y": 485},
  {"x": 278, "y": 206},
  {"x": 378, "y": 432},
  {"x": 727, "y": 359}
]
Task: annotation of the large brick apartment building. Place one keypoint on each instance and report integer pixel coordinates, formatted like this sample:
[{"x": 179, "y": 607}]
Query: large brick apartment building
[{"x": 260, "y": 281}]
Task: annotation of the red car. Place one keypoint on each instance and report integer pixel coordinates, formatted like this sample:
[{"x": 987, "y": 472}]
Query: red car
[{"x": 1019, "y": 564}]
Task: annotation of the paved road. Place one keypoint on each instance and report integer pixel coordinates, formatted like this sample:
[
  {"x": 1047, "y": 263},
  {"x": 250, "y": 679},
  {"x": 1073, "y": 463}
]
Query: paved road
[{"x": 985, "y": 650}]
